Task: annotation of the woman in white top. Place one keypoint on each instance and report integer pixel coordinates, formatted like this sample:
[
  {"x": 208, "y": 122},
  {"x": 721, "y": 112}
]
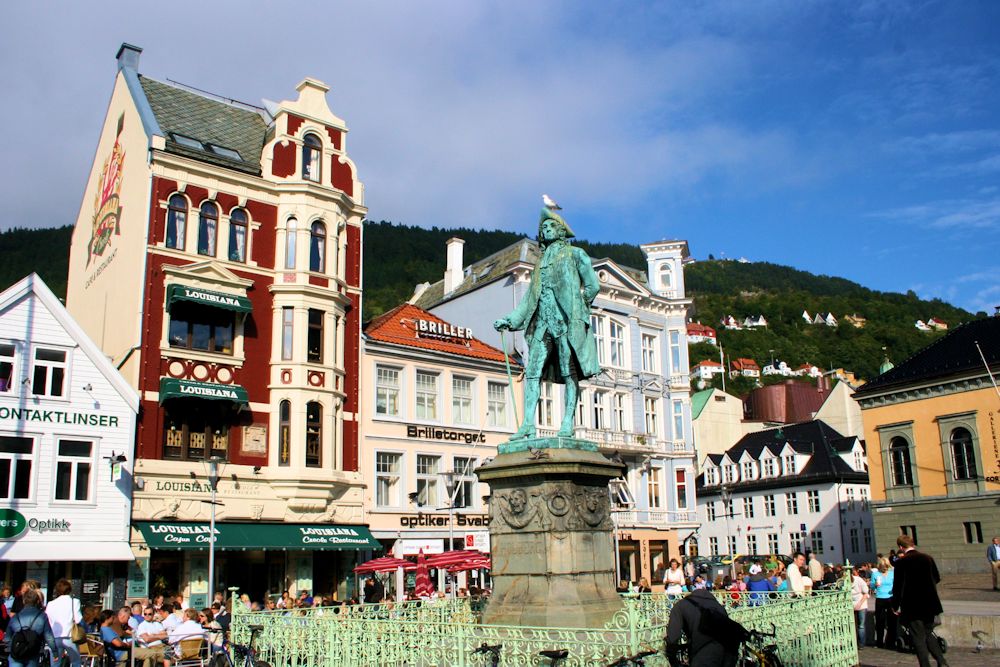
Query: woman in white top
[
  {"x": 674, "y": 578},
  {"x": 63, "y": 612}
]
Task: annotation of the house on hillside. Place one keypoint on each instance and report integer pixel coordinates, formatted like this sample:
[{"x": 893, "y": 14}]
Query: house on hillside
[
  {"x": 825, "y": 318},
  {"x": 921, "y": 325},
  {"x": 802, "y": 487},
  {"x": 706, "y": 370},
  {"x": 744, "y": 367},
  {"x": 730, "y": 322},
  {"x": 807, "y": 317},
  {"x": 856, "y": 321},
  {"x": 753, "y": 322},
  {"x": 939, "y": 325},
  {"x": 701, "y": 333},
  {"x": 808, "y": 370},
  {"x": 778, "y": 368}
]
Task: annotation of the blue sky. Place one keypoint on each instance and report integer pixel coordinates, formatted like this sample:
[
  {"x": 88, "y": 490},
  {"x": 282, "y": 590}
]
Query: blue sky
[{"x": 859, "y": 139}]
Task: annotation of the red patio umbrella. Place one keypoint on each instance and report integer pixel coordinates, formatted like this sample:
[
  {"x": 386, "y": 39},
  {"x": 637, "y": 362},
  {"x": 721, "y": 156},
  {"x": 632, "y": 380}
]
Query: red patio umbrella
[
  {"x": 482, "y": 563},
  {"x": 443, "y": 560},
  {"x": 423, "y": 587},
  {"x": 384, "y": 564}
]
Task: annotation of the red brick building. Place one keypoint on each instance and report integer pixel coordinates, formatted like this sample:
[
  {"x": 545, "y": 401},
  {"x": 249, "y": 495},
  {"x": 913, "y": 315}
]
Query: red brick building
[{"x": 217, "y": 261}]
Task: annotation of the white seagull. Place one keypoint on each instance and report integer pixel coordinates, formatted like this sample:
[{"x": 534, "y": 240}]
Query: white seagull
[{"x": 550, "y": 203}]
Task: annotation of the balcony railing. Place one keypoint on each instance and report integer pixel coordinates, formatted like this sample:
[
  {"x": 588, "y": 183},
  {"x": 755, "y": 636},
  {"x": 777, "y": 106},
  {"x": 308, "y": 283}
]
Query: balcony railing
[
  {"x": 680, "y": 380},
  {"x": 624, "y": 441},
  {"x": 654, "y": 518}
]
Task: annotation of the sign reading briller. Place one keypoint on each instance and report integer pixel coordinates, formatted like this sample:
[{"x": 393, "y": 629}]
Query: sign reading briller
[{"x": 12, "y": 523}]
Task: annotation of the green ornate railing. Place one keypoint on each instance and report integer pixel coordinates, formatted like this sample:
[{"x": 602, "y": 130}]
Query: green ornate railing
[{"x": 815, "y": 631}]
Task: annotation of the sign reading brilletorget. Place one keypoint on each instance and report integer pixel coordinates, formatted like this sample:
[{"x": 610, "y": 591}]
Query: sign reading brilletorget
[{"x": 432, "y": 433}]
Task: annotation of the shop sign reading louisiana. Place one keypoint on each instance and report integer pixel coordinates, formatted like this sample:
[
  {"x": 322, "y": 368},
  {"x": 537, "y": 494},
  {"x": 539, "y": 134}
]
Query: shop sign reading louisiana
[
  {"x": 181, "y": 535},
  {"x": 331, "y": 536}
]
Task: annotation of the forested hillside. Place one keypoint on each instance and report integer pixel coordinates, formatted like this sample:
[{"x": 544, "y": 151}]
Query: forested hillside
[
  {"x": 397, "y": 257},
  {"x": 43, "y": 251}
]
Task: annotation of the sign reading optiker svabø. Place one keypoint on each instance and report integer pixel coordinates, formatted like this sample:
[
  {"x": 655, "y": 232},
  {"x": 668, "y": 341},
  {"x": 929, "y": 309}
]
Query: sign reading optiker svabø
[{"x": 12, "y": 523}]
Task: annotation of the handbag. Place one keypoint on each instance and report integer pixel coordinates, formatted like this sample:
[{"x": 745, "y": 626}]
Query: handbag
[{"x": 77, "y": 634}]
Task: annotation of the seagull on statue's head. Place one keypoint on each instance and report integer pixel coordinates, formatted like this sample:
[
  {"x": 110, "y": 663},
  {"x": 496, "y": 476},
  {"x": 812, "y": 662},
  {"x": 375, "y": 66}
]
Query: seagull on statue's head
[{"x": 550, "y": 203}]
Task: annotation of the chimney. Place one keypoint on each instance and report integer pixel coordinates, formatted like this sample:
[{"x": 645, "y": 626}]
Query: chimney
[
  {"x": 128, "y": 56},
  {"x": 453, "y": 272}
]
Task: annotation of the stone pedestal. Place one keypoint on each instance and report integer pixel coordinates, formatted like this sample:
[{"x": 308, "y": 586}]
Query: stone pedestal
[{"x": 551, "y": 537}]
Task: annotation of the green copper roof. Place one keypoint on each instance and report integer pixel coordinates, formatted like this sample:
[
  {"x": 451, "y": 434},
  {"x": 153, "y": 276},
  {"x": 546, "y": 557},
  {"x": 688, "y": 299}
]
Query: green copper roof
[
  {"x": 698, "y": 401},
  {"x": 184, "y": 116}
]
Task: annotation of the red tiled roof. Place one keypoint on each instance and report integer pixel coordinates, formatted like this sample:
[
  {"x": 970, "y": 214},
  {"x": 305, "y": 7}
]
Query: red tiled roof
[
  {"x": 697, "y": 328},
  {"x": 399, "y": 327},
  {"x": 743, "y": 362},
  {"x": 708, "y": 362}
]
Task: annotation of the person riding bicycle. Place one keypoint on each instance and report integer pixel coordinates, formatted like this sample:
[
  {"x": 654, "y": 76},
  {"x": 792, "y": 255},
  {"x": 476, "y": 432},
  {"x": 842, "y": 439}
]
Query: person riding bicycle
[{"x": 711, "y": 638}]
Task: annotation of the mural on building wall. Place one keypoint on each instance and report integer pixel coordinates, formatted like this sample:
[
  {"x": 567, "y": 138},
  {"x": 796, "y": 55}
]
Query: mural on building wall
[{"x": 107, "y": 205}]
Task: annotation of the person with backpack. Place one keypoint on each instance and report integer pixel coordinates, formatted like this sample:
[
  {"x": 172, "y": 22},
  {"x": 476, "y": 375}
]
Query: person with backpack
[
  {"x": 29, "y": 630},
  {"x": 713, "y": 639}
]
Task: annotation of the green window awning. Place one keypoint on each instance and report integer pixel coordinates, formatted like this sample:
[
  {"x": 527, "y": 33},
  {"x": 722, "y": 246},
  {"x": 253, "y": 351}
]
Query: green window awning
[
  {"x": 174, "y": 388},
  {"x": 239, "y": 304},
  {"x": 257, "y": 536}
]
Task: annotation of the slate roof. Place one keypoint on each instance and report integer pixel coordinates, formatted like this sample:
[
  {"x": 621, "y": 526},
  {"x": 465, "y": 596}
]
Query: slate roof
[
  {"x": 398, "y": 327},
  {"x": 496, "y": 266},
  {"x": 814, "y": 438},
  {"x": 208, "y": 121},
  {"x": 953, "y": 354}
]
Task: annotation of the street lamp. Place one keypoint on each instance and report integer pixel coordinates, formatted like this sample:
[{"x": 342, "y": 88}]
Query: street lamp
[
  {"x": 213, "y": 485},
  {"x": 727, "y": 498}
]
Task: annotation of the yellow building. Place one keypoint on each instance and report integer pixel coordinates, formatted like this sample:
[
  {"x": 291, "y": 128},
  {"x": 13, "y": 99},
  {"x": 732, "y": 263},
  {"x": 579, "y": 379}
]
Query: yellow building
[{"x": 932, "y": 426}]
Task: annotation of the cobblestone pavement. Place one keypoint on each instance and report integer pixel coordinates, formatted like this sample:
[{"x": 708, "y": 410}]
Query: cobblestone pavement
[
  {"x": 976, "y": 587},
  {"x": 957, "y": 657}
]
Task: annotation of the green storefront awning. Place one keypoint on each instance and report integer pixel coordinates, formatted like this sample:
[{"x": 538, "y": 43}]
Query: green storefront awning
[
  {"x": 239, "y": 304},
  {"x": 174, "y": 388},
  {"x": 257, "y": 536}
]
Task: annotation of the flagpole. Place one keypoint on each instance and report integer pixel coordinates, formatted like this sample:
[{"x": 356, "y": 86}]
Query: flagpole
[{"x": 510, "y": 378}]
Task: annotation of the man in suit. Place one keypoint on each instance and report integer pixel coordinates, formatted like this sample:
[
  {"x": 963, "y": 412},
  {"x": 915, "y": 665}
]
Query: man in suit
[
  {"x": 993, "y": 556},
  {"x": 915, "y": 599}
]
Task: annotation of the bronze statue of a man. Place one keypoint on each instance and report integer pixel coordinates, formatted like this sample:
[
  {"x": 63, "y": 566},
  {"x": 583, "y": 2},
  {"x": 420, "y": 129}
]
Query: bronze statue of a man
[{"x": 555, "y": 317}]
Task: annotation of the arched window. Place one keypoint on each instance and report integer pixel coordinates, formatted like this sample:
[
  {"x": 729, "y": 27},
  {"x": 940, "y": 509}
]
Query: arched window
[
  {"x": 238, "y": 235},
  {"x": 312, "y": 152},
  {"x": 290, "y": 232},
  {"x": 314, "y": 434},
  {"x": 208, "y": 225},
  {"x": 317, "y": 247},
  {"x": 666, "y": 276},
  {"x": 963, "y": 454},
  {"x": 176, "y": 222},
  {"x": 284, "y": 433},
  {"x": 899, "y": 462}
]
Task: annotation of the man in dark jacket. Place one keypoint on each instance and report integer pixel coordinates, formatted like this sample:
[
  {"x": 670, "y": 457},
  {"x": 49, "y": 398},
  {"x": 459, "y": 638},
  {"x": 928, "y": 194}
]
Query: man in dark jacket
[
  {"x": 705, "y": 647},
  {"x": 915, "y": 599}
]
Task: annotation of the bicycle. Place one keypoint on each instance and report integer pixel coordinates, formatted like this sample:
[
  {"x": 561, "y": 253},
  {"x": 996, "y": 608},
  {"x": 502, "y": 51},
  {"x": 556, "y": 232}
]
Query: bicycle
[
  {"x": 637, "y": 660},
  {"x": 246, "y": 654},
  {"x": 756, "y": 652},
  {"x": 493, "y": 651}
]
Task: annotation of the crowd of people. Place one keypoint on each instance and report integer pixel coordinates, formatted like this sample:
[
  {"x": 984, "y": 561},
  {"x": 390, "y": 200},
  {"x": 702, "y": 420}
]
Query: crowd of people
[{"x": 151, "y": 633}]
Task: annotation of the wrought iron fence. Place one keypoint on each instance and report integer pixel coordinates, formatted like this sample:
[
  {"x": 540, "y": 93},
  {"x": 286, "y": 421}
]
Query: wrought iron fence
[{"x": 815, "y": 630}]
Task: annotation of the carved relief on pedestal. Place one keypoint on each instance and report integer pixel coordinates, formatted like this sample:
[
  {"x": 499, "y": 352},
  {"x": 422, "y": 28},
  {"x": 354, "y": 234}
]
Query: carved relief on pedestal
[{"x": 559, "y": 507}]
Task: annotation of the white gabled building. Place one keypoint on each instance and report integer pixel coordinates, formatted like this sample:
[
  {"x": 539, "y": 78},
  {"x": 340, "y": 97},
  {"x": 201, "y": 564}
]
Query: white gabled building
[
  {"x": 67, "y": 428},
  {"x": 802, "y": 487}
]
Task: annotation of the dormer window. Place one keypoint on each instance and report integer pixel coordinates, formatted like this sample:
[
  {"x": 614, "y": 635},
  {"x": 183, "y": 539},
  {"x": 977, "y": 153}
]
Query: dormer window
[
  {"x": 317, "y": 247},
  {"x": 208, "y": 225},
  {"x": 312, "y": 151},
  {"x": 176, "y": 222},
  {"x": 789, "y": 464},
  {"x": 711, "y": 475},
  {"x": 859, "y": 461},
  {"x": 238, "y": 235},
  {"x": 729, "y": 473},
  {"x": 748, "y": 470},
  {"x": 768, "y": 466}
]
